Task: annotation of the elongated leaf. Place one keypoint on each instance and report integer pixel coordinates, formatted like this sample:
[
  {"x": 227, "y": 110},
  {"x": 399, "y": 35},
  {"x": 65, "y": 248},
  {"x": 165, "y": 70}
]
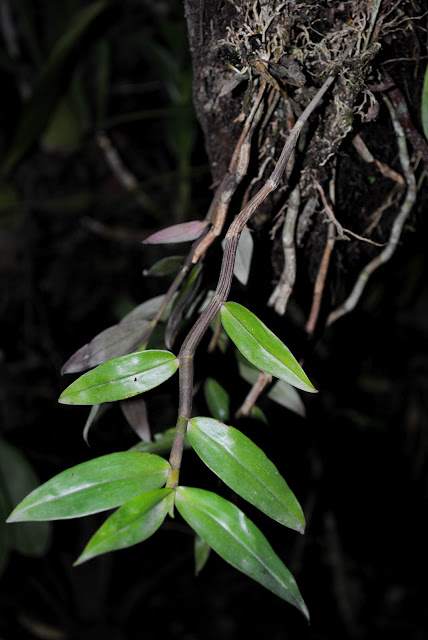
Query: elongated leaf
[
  {"x": 110, "y": 343},
  {"x": 261, "y": 347},
  {"x": 244, "y": 254},
  {"x": 50, "y": 84},
  {"x": 244, "y": 467},
  {"x": 182, "y": 304},
  {"x": 121, "y": 378},
  {"x": 134, "y": 522},
  {"x": 162, "y": 443},
  {"x": 135, "y": 412},
  {"x": 424, "y": 104},
  {"x": 165, "y": 266},
  {"x": 90, "y": 487},
  {"x": 238, "y": 541},
  {"x": 202, "y": 552},
  {"x": 18, "y": 478},
  {"x": 119, "y": 339},
  {"x": 183, "y": 232},
  {"x": 146, "y": 310},
  {"x": 246, "y": 370},
  {"x": 286, "y": 395},
  {"x": 257, "y": 414},
  {"x": 217, "y": 398},
  {"x": 94, "y": 413}
]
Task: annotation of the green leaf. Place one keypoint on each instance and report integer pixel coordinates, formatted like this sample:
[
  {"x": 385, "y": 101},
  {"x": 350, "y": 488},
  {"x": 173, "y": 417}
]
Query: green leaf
[
  {"x": 202, "y": 552},
  {"x": 134, "y": 522},
  {"x": 165, "y": 266},
  {"x": 237, "y": 540},
  {"x": 424, "y": 104},
  {"x": 261, "y": 347},
  {"x": 50, "y": 84},
  {"x": 244, "y": 467},
  {"x": 257, "y": 414},
  {"x": 18, "y": 478},
  {"x": 217, "y": 399},
  {"x": 90, "y": 487},
  {"x": 121, "y": 378},
  {"x": 64, "y": 131},
  {"x": 162, "y": 443}
]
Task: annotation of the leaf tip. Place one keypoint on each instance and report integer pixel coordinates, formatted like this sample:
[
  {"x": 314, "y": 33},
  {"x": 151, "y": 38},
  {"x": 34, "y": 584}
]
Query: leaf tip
[{"x": 80, "y": 560}]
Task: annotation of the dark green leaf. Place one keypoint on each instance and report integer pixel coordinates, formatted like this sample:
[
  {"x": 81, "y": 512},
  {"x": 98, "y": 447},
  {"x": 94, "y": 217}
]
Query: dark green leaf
[
  {"x": 237, "y": 540},
  {"x": 202, "y": 552},
  {"x": 261, "y": 347},
  {"x": 90, "y": 487},
  {"x": 64, "y": 131},
  {"x": 18, "y": 479},
  {"x": 134, "y": 522},
  {"x": 183, "y": 303},
  {"x": 162, "y": 443},
  {"x": 165, "y": 266},
  {"x": 217, "y": 398},
  {"x": 257, "y": 414},
  {"x": 121, "y": 378},
  {"x": 50, "y": 84},
  {"x": 244, "y": 467}
]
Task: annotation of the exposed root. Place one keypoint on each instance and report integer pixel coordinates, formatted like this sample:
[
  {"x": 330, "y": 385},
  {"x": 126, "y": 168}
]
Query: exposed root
[{"x": 397, "y": 227}]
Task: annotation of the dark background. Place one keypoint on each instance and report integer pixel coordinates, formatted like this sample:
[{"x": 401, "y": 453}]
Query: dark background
[{"x": 71, "y": 263}]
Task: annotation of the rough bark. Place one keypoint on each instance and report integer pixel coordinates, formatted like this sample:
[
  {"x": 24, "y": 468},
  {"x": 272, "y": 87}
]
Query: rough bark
[{"x": 293, "y": 45}]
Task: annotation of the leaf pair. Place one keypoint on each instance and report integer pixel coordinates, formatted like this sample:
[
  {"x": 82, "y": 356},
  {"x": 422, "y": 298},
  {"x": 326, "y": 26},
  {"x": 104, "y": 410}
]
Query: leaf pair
[{"x": 132, "y": 479}]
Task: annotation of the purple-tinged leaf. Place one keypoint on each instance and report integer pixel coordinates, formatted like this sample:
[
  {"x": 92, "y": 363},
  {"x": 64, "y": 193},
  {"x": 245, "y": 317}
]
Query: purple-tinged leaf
[
  {"x": 147, "y": 310},
  {"x": 183, "y": 232},
  {"x": 110, "y": 343},
  {"x": 135, "y": 412}
]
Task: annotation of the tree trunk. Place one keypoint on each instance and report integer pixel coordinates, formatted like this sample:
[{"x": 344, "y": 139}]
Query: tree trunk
[{"x": 346, "y": 171}]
